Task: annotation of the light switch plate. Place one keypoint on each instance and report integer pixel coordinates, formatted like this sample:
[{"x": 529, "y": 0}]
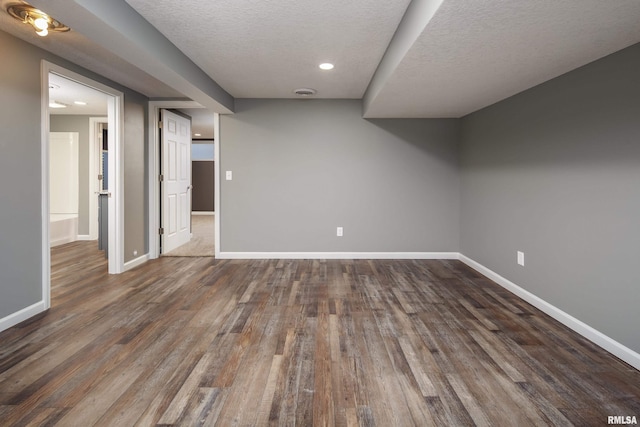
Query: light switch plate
[{"x": 229, "y": 175}]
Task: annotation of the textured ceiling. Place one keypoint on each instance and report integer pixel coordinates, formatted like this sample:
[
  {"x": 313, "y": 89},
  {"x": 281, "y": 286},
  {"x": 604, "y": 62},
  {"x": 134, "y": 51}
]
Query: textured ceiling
[
  {"x": 267, "y": 49},
  {"x": 442, "y": 58},
  {"x": 475, "y": 53}
]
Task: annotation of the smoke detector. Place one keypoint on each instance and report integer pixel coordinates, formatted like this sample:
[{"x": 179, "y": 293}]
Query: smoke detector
[{"x": 305, "y": 92}]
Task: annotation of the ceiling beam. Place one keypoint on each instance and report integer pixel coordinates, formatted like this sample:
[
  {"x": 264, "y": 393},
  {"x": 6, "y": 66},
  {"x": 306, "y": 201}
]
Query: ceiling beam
[{"x": 415, "y": 19}]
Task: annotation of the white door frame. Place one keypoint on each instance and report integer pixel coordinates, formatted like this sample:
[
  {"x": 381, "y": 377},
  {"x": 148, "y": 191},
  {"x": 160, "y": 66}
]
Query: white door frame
[
  {"x": 155, "y": 168},
  {"x": 217, "y": 175},
  {"x": 115, "y": 108},
  {"x": 95, "y": 151}
]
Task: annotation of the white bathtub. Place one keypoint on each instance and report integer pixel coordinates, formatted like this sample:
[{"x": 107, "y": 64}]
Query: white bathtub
[{"x": 63, "y": 228}]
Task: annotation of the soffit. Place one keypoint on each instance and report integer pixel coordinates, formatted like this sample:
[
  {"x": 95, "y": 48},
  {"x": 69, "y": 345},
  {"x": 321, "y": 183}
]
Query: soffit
[
  {"x": 75, "y": 47},
  {"x": 475, "y": 53}
]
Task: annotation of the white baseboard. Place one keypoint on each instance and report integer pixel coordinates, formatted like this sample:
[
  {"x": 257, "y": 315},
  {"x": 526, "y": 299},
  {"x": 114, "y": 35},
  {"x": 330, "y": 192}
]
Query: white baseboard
[
  {"x": 85, "y": 237},
  {"x": 22, "y": 315},
  {"x": 595, "y": 336},
  {"x": 337, "y": 255},
  {"x": 61, "y": 241},
  {"x": 136, "y": 262},
  {"x": 202, "y": 213}
]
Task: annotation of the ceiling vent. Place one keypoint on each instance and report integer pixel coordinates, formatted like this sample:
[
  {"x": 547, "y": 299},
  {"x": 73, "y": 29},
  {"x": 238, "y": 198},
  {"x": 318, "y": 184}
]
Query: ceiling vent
[{"x": 305, "y": 92}]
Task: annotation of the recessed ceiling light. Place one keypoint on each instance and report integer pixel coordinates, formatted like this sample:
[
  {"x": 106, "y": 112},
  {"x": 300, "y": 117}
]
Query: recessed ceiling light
[
  {"x": 326, "y": 66},
  {"x": 56, "y": 104},
  {"x": 197, "y": 134},
  {"x": 79, "y": 102}
]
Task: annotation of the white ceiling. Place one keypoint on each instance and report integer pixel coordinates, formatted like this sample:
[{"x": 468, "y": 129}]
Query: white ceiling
[
  {"x": 442, "y": 58},
  {"x": 67, "y": 92}
]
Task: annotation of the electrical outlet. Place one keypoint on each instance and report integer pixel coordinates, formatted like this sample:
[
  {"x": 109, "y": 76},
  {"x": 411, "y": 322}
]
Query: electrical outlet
[
  {"x": 229, "y": 175},
  {"x": 339, "y": 232},
  {"x": 521, "y": 258},
  {"x": 135, "y": 253}
]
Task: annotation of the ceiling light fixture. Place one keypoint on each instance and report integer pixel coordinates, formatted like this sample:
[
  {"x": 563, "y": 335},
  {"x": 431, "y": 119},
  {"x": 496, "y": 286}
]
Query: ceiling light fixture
[
  {"x": 79, "y": 102},
  {"x": 57, "y": 104},
  {"x": 197, "y": 134},
  {"x": 326, "y": 66},
  {"x": 40, "y": 21}
]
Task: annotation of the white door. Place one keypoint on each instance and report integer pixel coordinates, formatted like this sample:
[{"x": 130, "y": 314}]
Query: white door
[{"x": 176, "y": 185}]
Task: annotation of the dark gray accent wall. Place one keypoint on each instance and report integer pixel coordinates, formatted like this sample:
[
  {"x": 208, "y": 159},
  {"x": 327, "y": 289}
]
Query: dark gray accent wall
[
  {"x": 203, "y": 181},
  {"x": 554, "y": 172},
  {"x": 301, "y": 168},
  {"x": 80, "y": 124},
  {"x": 20, "y": 172}
]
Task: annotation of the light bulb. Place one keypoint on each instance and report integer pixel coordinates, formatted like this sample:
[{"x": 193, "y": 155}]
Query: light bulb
[
  {"x": 41, "y": 24},
  {"x": 42, "y": 33}
]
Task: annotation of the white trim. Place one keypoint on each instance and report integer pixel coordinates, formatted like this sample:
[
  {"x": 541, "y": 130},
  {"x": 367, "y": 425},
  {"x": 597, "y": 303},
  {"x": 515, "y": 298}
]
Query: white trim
[
  {"x": 85, "y": 237},
  {"x": 44, "y": 190},
  {"x": 24, "y": 314},
  {"x": 94, "y": 162},
  {"x": 597, "y": 337},
  {"x": 61, "y": 241},
  {"x": 154, "y": 185},
  {"x": 216, "y": 191},
  {"x": 136, "y": 262},
  {"x": 154, "y": 168},
  {"x": 115, "y": 157},
  {"x": 337, "y": 255},
  {"x": 198, "y": 213}
]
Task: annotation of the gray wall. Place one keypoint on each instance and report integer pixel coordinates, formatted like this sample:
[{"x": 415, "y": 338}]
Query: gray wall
[
  {"x": 20, "y": 171},
  {"x": 136, "y": 197},
  {"x": 555, "y": 172},
  {"x": 80, "y": 124},
  {"x": 303, "y": 167}
]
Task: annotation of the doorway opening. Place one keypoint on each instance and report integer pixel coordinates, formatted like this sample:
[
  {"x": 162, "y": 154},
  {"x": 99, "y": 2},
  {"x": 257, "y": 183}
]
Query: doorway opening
[
  {"x": 70, "y": 164},
  {"x": 205, "y": 230},
  {"x": 98, "y": 175}
]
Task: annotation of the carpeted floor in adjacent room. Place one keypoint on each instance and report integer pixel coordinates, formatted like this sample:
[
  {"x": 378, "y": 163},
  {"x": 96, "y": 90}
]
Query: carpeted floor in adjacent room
[{"x": 202, "y": 241}]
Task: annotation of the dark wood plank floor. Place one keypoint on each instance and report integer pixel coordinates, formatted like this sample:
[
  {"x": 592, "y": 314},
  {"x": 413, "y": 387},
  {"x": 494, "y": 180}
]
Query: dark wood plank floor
[{"x": 198, "y": 341}]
